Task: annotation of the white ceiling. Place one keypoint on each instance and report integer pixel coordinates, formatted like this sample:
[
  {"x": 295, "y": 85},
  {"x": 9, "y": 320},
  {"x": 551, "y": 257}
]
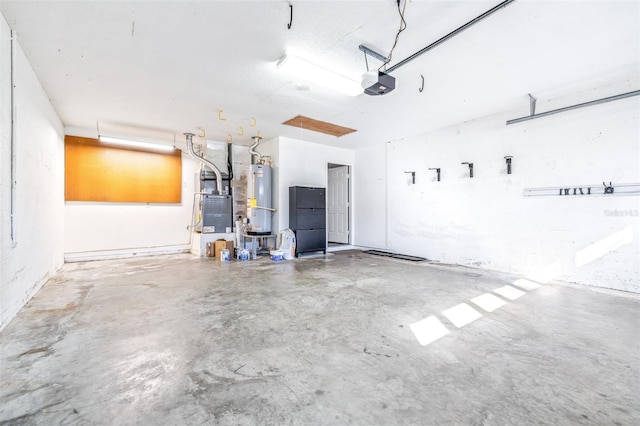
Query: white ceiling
[{"x": 162, "y": 68}]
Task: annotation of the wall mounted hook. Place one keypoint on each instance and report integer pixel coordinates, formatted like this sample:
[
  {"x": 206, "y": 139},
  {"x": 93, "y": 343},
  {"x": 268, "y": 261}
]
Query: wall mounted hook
[
  {"x": 508, "y": 159},
  {"x": 220, "y": 115},
  {"x": 240, "y": 131},
  {"x": 470, "y": 168},
  {"x": 253, "y": 122},
  {"x": 422, "y": 87},
  {"x": 413, "y": 177},
  {"x": 437, "y": 169},
  {"x": 290, "y": 16}
]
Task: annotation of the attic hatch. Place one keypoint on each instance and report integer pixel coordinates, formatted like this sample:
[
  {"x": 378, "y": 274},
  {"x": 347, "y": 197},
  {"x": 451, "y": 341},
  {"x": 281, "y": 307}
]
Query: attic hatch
[{"x": 307, "y": 123}]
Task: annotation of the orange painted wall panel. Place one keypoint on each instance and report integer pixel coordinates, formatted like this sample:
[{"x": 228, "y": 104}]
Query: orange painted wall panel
[{"x": 106, "y": 173}]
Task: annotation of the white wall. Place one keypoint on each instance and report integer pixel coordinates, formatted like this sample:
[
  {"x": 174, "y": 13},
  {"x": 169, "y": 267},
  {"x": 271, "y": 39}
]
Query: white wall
[
  {"x": 39, "y": 153},
  {"x": 101, "y": 230},
  {"x": 487, "y": 222},
  {"x": 370, "y": 188},
  {"x": 300, "y": 163}
]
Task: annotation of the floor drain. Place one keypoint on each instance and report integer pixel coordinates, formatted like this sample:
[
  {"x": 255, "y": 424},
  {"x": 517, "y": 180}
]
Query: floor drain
[{"x": 396, "y": 256}]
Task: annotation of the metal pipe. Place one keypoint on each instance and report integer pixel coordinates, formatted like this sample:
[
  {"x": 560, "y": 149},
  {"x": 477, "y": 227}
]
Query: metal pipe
[
  {"x": 14, "y": 238},
  {"x": 264, "y": 208},
  {"x": 253, "y": 152},
  {"x": 193, "y": 210},
  {"x": 204, "y": 161},
  {"x": 582, "y": 105},
  {"x": 451, "y": 34}
]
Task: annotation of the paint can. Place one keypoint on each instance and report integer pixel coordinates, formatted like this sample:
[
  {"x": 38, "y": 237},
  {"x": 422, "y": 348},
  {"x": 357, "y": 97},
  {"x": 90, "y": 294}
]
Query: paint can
[
  {"x": 243, "y": 255},
  {"x": 225, "y": 256}
]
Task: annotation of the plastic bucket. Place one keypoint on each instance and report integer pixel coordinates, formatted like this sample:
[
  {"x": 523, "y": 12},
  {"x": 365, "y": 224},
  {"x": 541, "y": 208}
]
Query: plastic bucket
[
  {"x": 225, "y": 255},
  {"x": 243, "y": 255}
]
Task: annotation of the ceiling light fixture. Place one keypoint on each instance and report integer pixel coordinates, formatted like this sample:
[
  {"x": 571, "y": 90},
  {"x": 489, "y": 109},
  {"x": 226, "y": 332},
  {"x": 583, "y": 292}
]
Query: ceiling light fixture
[
  {"x": 302, "y": 68},
  {"x": 136, "y": 144}
]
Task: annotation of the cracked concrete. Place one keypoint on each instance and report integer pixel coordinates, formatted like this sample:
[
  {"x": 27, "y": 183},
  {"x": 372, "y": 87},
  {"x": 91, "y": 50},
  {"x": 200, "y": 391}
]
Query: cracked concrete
[{"x": 318, "y": 340}]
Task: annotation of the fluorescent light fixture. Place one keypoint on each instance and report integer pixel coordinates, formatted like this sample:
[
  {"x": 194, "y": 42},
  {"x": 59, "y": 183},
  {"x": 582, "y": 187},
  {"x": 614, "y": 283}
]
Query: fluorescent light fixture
[
  {"x": 304, "y": 69},
  {"x": 136, "y": 144}
]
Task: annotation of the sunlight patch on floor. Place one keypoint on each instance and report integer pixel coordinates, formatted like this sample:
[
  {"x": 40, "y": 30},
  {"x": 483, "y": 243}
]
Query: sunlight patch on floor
[
  {"x": 509, "y": 292},
  {"x": 461, "y": 315},
  {"x": 428, "y": 330},
  {"x": 488, "y": 302},
  {"x": 526, "y": 284}
]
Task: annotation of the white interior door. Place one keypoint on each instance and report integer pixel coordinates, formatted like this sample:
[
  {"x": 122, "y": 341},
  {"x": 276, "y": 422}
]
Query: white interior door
[{"x": 338, "y": 204}]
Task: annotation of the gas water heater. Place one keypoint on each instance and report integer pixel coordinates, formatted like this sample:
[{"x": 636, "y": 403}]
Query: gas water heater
[{"x": 259, "y": 193}]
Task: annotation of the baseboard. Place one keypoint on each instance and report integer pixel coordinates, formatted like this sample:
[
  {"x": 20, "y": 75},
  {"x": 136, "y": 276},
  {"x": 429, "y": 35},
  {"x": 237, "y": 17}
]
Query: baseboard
[{"x": 124, "y": 253}]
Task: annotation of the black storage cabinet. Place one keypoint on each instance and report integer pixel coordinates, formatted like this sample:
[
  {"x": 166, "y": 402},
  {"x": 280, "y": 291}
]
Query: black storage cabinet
[{"x": 308, "y": 218}]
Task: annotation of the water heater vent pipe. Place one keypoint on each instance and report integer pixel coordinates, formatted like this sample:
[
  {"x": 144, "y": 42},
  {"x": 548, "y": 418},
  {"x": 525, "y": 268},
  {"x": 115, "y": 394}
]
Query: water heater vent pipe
[
  {"x": 253, "y": 152},
  {"x": 204, "y": 161}
]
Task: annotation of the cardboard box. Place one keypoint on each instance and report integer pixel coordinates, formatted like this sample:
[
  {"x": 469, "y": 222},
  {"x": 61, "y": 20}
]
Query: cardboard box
[{"x": 219, "y": 245}]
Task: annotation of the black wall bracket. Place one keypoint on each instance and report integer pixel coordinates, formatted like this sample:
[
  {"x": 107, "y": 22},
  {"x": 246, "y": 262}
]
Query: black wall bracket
[
  {"x": 508, "y": 159},
  {"x": 470, "y": 168},
  {"x": 413, "y": 177},
  {"x": 437, "y": 169}
]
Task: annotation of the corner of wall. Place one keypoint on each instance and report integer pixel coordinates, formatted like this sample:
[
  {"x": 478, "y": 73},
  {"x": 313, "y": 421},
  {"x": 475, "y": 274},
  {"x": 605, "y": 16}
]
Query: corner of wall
[{"x": 32, "y": 156}]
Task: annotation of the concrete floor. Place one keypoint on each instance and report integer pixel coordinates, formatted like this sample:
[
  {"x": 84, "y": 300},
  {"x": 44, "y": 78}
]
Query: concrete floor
[{"x": 176, "y": 340}]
